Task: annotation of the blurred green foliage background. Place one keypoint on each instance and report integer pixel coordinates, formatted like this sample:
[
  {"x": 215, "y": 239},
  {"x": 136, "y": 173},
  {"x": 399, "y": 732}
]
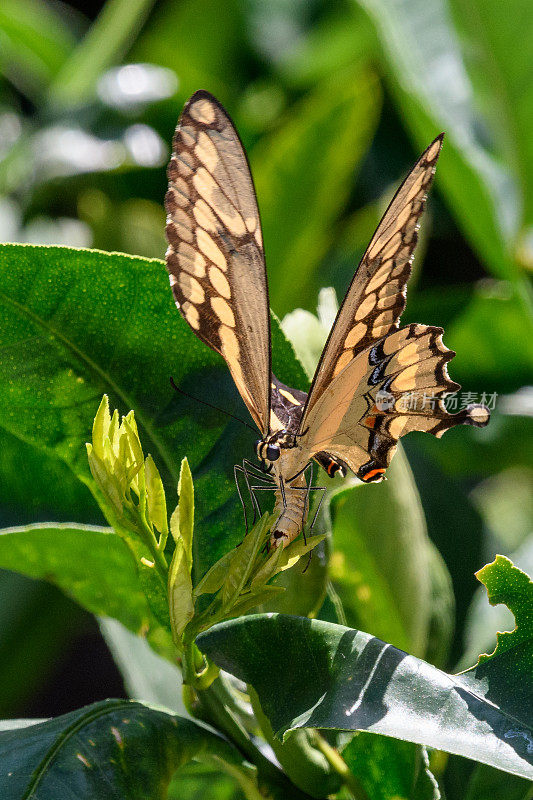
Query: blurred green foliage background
[{"x": 333, "y": 102}]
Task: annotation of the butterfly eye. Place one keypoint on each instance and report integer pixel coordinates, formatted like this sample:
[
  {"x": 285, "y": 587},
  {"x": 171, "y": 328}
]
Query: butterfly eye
[{"x": 273, "y": 452}]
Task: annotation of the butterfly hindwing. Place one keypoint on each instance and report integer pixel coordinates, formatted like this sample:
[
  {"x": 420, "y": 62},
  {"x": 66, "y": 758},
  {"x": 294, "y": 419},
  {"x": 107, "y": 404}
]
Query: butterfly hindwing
[
  {"x": 394, "y": 387},
  {"x": 376, "y": 297},
  {"x": 215, "y": 256}
]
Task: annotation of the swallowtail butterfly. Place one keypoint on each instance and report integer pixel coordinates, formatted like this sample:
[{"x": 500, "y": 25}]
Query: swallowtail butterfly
[{"x": 375, "y": 381}]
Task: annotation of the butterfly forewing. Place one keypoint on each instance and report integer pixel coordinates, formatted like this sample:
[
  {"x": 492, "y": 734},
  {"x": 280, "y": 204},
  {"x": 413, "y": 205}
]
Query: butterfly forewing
[
  {"x": 376, "y": 297},
  {"x": 215, "y": 256}
]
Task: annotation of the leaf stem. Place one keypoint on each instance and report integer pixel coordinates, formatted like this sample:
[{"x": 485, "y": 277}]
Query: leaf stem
[
  {"x": 151, "y": 542},
  {"x": 336, "y": 761}
]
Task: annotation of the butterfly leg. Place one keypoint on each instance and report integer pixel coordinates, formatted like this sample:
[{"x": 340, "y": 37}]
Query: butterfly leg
[
  {"x": 236, "y": 470},
  {"x": 282, "y": 490},
  {"x": 250, "y": 471},
  {"x": 254, "y": 470},
  {"x": 262, "y": 489},
  {"x": 255, "y": 504}
]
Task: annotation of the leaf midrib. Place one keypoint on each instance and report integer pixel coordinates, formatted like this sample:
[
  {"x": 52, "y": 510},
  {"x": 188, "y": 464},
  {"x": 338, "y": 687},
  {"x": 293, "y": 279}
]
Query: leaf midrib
[
  {"x": 64, "y": 736},
  {"x": 105, "y": 377}
]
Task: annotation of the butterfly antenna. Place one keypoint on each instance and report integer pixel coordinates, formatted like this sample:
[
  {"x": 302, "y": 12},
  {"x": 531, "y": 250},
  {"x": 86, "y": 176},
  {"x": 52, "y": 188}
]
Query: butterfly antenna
[{"x": 205, "y": 403}]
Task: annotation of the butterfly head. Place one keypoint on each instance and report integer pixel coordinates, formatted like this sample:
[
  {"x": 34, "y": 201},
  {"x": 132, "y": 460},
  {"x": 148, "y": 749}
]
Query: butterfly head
[{"x": 268, "y": 450}]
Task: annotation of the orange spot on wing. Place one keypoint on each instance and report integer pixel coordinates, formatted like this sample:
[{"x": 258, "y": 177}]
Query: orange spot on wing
[
  {"x": 370, "y": 422},
  {"x": 372, "y": 473}
]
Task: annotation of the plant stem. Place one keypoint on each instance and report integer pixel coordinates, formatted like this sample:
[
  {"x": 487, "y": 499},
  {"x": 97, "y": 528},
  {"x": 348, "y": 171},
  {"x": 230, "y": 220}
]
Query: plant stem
[
  {"x": 157, "y": 554},
  {"x": 340, "y": 766},
  {"x": 212, "y": 706}
]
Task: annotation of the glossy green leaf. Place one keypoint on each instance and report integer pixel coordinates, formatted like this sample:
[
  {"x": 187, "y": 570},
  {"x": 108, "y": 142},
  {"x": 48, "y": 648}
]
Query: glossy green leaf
[
  {"x": 380, "y": 566},
  {"x": 309, "y": 673},
  {"x": 329, "y": 129},
  {"x": 116, "y": 747},
  {"x": 96, "y": 323},
  {"x": 91, "y": 565}
]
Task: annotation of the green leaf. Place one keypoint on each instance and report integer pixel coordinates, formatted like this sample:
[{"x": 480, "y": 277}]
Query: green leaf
[
  {"x": 91, "y": 565},
  {"x": 304, "y": 173},
  {"x": 310, "y": 673},
  {"x": 387, "y": 768},
  {"x": 36, "y": 623},
  {"x": 269, "y": 568},
  {"x": 180, "y": 597},
  {"x": 505, "y": 676},
  {"x": 442, "y": 605},
  {"x": 26, "y": 477},
  {"x": 486, "y": 782},
  {"x": 380, "y": 567},
  {"x": 107, "y": 482},
  {"x": 249, "y": 600},
  {"x": 339, "y": 39},
  {"x": 479, "y": 358},
  {"x": 103, "y": 45},
  {"x": 433, "y": 92},
  {"x": 498, "y": 52},
  {"x": 101, "y": 426},
  {"x": 114, "y": 748},
  {"x": 214, "y": 578},
  {"x": 157, "y": 505},
  {"x": 212, "y": 40},
  {"x": 483, "y": 622},
  {"x": 35, "y": 42},
  {"x": 186, "y": 508},
  {"x": 98, "y": 323},
  {"x": 243, "y": 559},
  {"x": 305, "y": 765},
  {"x": 147, "y": 676}
]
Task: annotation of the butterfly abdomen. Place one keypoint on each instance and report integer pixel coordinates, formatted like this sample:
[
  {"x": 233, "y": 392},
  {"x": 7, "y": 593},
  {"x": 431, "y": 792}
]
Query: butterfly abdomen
[{"x": 292, "y": 506}]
